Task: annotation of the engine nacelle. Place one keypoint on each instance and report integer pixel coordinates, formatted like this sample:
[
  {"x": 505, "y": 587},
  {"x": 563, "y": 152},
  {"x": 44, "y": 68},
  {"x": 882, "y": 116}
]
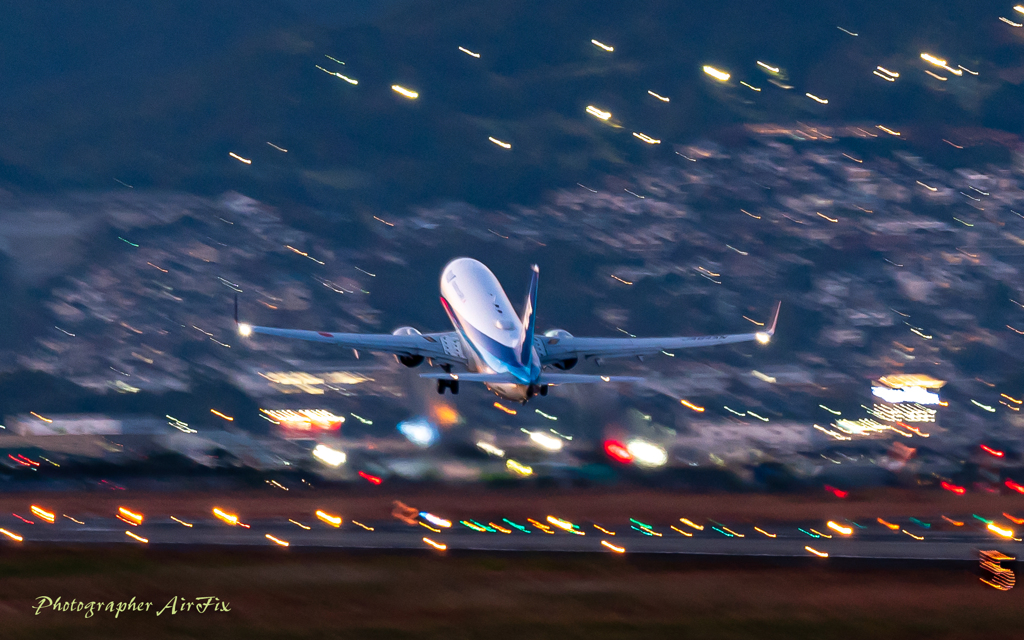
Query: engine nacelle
[
  {"x": 565, "y": 365},
  {"x": 557, "y": 333},
  {"x": 553, "y": 336},
  {"x": 409, "y": 361}
]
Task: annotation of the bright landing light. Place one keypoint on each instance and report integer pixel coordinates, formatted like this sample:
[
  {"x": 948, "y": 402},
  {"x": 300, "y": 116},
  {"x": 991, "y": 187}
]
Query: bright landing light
[
  {"x": 763, "y": 337},
  {"x": 245, "y": 330}
]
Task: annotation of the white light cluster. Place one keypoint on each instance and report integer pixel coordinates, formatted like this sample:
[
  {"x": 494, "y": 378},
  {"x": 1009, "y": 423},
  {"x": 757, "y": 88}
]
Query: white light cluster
[
  {"x": 904, "y": 413},
  {"x": 330, "y": 457},
  {"x": 647, "y": 454},
  {"x": 907, "y": 394}
]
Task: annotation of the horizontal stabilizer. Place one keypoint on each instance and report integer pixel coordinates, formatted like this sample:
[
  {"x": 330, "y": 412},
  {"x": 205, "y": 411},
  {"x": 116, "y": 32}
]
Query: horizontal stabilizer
[
  {"x": 580, "y": 378},
  {"x": 545, "y": 378},
  {"x": 492, "y": 378}
]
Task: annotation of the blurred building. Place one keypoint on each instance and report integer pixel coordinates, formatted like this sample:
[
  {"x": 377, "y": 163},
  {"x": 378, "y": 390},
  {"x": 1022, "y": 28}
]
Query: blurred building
[{"x": 907, "y": 399}]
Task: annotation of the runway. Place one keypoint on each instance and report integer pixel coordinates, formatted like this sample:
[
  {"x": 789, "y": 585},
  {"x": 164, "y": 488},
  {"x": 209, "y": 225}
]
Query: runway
[{"x": 866, "y": 541}]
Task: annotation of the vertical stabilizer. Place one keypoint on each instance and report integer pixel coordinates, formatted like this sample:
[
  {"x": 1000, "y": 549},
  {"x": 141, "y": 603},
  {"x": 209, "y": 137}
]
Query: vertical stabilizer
[{"x": 529, "y": 320}]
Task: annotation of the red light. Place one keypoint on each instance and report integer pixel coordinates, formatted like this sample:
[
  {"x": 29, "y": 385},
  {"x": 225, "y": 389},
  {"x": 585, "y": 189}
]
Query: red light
[
  {"x": 618, "y": 451},
  {"x": 1013, "y": 485},
  {"x": 952, "y": 487},
  {"x": 839, "y": 493},
  {"x": 369, "y": 478},
  {"x": 987, "y": 449}
]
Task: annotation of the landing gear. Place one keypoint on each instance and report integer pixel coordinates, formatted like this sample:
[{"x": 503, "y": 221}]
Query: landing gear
[
  {"x": 535, "y": 390},
  {"x": 448, "y": 384}
]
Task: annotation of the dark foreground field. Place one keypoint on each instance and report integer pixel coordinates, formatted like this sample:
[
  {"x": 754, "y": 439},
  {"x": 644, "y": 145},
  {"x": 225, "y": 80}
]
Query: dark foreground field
[{"x": 281, "y": 593}]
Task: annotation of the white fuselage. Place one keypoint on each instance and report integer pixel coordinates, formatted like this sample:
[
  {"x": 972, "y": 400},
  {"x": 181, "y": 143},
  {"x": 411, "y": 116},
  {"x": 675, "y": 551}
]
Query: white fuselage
[{"x": 484, "y": 318}]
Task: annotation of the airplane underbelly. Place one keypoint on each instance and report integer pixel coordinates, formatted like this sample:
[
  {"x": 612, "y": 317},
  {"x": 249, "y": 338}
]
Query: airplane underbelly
[{"x": 513, "y": 392}]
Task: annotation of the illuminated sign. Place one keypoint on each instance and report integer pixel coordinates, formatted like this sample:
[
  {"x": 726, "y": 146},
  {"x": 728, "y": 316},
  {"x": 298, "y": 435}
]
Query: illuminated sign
[
  {"x": 996, "y": 575},
  {"x": 903, "y": 413},
  {"x": 907, "y": 380},
  {"x": 906, "y": 394},
  {"x": 305, "y": 419}
]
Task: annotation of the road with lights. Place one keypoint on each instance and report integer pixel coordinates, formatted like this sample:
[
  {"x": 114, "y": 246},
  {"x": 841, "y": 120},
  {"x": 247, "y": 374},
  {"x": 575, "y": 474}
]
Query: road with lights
[{"x": 911, "y": 541}]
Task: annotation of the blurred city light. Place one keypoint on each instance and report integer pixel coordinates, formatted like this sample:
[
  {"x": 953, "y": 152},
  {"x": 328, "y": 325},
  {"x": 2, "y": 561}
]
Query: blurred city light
[
  {"x": 617, "y": 451},
  {"x": 323, "y": 516},
  {"x": 224, "y": 516},
  {"x": 647, "y": 454},
  {"x": 521, "y": 469},
  {"x": 435, "y": 520},
  {"x": 1004, "y": 532},
  {"x": 43, "y": 514},
  {"x": 330, "y": 457},
  {"x": 948, "y": 486},
  {"x": 129, "y": 516},
  {"x": 369, "y": 477},
  {"x": 721, "y": 76},
  {"x": 437, "y": 545},
  {"x": 546, "y": 441},
  {"x": 408, "y": 93},
  {"x": 418, "y": 431},
  {"x": 305, "y": 419},
  {"x": 445, "y": 415}
]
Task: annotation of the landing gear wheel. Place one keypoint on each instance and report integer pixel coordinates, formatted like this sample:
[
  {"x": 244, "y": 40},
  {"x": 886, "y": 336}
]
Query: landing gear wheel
[
  {"x": 454, "y": 386},
  {"x": 543, "y": 389},
  {"x": 441, "y": 386}
]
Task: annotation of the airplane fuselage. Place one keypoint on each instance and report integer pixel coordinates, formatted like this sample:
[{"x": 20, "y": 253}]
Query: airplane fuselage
[{"x": 484, "y": 318}]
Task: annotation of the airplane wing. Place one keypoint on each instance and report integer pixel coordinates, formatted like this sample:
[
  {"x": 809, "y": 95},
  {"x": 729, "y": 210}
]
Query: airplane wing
[
  {"x": 545, "y": 378},
  {"x": 567, "y": 348},
  {"x": 444, "y": 348}
]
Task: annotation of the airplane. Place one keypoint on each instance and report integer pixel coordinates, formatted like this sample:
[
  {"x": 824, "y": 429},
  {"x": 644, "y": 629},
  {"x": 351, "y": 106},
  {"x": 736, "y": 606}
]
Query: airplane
[{"x": 496, "y": 347}]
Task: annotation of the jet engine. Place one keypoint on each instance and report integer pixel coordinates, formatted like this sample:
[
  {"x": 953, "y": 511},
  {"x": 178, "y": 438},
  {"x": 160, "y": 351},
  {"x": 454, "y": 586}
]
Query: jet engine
[
  {"x": 409, "y": 361},
  {"x": 553, "y": 336}
]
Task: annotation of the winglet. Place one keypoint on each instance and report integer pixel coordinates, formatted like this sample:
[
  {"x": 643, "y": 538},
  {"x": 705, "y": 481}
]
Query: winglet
[
  {"x": 764, "y": 337},
  {"x": 529, "y": 319},
  {"x": 244, "y": 330},
  {"x": 775, "y": 318}
]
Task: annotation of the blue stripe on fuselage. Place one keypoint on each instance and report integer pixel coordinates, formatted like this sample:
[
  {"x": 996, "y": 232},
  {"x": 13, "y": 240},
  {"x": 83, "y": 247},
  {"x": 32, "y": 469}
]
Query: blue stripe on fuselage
[{"x": 499, "y": 357}]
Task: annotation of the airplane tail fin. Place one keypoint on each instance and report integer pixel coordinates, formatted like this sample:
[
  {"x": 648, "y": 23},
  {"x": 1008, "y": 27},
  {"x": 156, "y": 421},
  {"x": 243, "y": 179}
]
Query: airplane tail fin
[{"x": 529, "y": 319}]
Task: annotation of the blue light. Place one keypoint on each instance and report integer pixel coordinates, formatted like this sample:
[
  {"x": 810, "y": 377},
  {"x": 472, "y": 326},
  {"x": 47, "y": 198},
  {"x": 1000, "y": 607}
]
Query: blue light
[{"x": 419, "y": 432}]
